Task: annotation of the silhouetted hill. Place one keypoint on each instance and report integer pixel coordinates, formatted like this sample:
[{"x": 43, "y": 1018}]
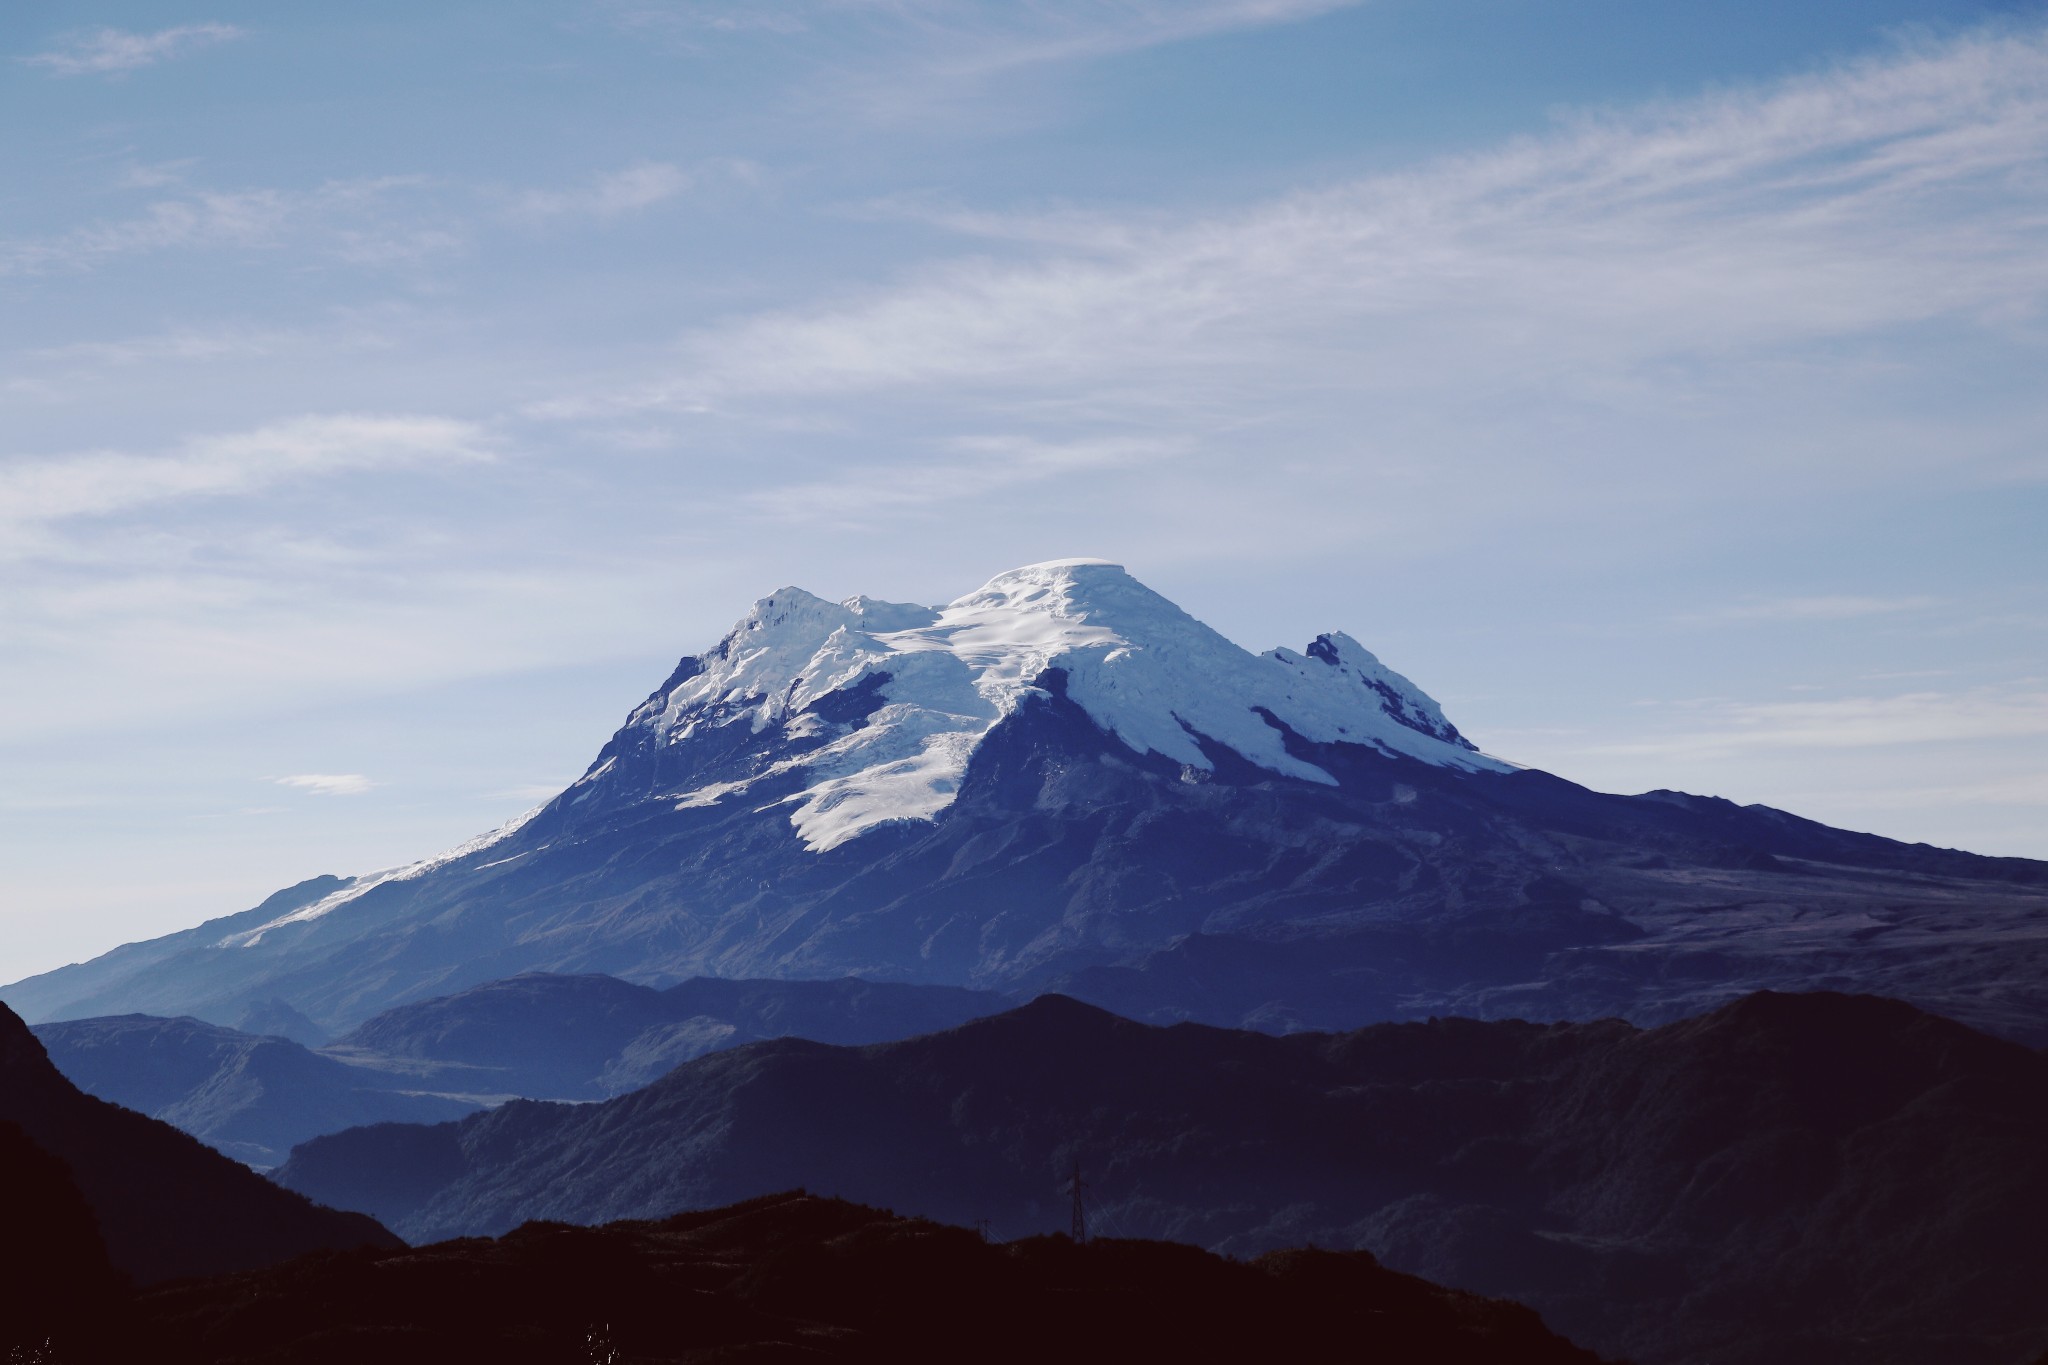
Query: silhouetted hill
[
  {"x": 166, "y": 1205},
  {"x": 795, "y": 1277},
  {"x": 1789, "y": 1179},
  {"x": 252, "y": 1097},
  {"x": 55, "y": 1273}
]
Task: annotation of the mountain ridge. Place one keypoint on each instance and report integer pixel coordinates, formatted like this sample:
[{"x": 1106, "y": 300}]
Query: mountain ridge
[
  {"x": 1337, "y": 856},
  {"x": 1792, "y": 1178}
]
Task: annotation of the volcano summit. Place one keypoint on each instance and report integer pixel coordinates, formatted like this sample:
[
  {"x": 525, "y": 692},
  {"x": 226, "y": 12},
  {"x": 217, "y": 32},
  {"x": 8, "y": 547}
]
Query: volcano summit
[{"x": 1064, "y": 779}]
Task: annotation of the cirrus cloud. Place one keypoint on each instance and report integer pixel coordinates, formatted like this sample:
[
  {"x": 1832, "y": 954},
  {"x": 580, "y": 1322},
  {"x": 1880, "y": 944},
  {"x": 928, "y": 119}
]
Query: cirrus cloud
[
  {"x": 1886, "y": 193},
  {"x": 1717, "y": 729},
  {"x": 1831, "y": 607},
  {"x": 327, "y": 784},
  {"x": 358, "y": 221},
  {"x": 99, "y": 482},
  {"x": 113, "y": 51},
  {"x": 638, "y": 186}
]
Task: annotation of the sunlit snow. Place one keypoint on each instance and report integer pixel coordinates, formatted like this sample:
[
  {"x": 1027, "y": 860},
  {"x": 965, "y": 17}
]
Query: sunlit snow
[
  {"x": 1142, "y": 668},
  {"x": 359, "y": 886}
]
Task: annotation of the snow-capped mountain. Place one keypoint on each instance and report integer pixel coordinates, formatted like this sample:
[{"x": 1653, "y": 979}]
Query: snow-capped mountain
[
  {"x": 1062, "y": 777},
  {"x": 850, "y": 715},
  {"x": 881, "y": 706}
]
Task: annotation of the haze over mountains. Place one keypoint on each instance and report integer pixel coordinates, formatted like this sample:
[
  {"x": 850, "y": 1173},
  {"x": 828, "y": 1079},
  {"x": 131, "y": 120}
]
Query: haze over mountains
[
  {"x": 1062, "y": 779},
  {"x": 256, "y": 1096},
  {"x": 249, "y": 1096}
]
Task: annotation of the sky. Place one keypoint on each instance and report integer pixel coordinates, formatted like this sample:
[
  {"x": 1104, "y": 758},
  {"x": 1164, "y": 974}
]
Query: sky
[{"x": 389, "y": 394}]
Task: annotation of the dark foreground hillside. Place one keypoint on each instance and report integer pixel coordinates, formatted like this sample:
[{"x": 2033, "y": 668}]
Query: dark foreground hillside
[
  {"x": 1799, "y": 1180},
  {"x": 159, "y": 1203},
  {"x": 793, "y": 1277},
  {"x": 95, "y": 1198}
]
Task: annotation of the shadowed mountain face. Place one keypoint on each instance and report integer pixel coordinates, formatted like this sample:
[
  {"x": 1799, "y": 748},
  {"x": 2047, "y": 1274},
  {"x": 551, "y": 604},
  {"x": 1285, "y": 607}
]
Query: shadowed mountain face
[
  {"x": 1062, "y": 780},
  {"x": 277, "y": 1019},
  {"x": 1788, "y": 1179},
  {"x": 165, "y": 1205},
  {"x": 548, "y": 1037},
  {"x": 793, "y": 1277}
]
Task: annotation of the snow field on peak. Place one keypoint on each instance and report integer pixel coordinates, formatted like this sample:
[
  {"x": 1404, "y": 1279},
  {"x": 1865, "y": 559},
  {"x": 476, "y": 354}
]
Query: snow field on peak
[
  {"x": 368, "y": 882},
  {"x": 1142, "y": 668}
]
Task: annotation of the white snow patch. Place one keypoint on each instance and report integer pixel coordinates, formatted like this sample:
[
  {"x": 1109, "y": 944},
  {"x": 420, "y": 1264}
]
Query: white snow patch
[{"x": 249, "y": 938}]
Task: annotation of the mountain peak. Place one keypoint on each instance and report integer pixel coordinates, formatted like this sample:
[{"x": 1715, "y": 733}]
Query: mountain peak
[
  {"x": 1056, "y": 585},
  {"x": 855, "y": 714},
  {"x": 1077, "y": 564},
  {"x": 880, "y": 705},
  {"x": 790, "y": 610}
]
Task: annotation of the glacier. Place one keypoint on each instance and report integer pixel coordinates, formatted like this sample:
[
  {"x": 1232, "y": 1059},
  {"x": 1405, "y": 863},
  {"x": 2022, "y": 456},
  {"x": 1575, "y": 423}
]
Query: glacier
[{"x": 947, "y": 676}]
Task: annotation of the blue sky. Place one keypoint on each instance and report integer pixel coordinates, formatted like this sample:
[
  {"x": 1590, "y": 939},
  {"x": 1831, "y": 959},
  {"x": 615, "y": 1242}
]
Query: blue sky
[{"x": 389, "y": 393}]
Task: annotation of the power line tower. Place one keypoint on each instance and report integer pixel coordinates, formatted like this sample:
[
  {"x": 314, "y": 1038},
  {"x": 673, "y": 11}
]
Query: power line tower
[{"x": 1075, "y": 1186}]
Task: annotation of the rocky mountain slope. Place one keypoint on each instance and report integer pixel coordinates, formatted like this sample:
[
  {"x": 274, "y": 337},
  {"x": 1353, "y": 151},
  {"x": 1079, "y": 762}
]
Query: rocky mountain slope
[
  {"x": 1063, "y": 779},
  {"x": 1788, "y": 1179}
]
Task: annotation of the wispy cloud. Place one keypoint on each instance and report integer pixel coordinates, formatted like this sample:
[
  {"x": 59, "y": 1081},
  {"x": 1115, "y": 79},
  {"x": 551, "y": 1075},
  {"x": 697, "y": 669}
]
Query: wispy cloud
[
  {"x": 112, "y": 51},
  {"x": 83, "y": 371},
  {"x": 218, "y": 342},
  {"x": 638, "y": 186},
  {"x": 352, "y": 220},
  {"x": 972, "y": 467},
  {"x": 1613, "y": 267},
  {"x": 708, "y": 16},
  {"x": 155, "y": 175},
  {"x": 989, "y": 40},
  {"x": 2027, "y": 789},
  {"x": 935, "y": 64},
  {"x": 1880, "y": 194},
  {"x": 1721, "y": 729},
  {"x": 95, "y": 483},
  {"x": 1823, "y": 608},
  {"x": 327, "y": 784},
  {"x": 967, "y": 38}
]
